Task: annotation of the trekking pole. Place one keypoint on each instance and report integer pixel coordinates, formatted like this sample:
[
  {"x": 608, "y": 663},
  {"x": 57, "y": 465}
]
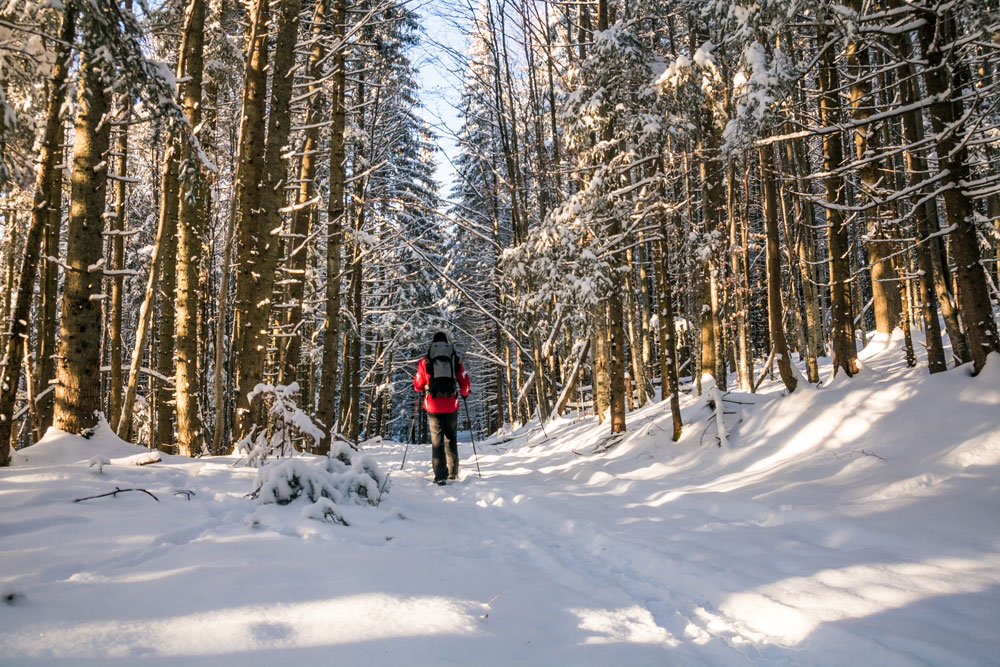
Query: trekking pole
[
  {"x": 472, "y": 437},
  {"x": 416, "y": 406}
]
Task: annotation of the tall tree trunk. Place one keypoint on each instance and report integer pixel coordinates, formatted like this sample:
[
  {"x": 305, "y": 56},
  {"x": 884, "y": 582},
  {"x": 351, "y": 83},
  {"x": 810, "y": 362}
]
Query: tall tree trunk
[
  {"x": 78, "y": 395},
  {"x": 616, "y": 328},
  {"x": 916, "y": 168},
  {"x": 118, "y": 281},
  {"x": 798, "y": 160},
  {"x": 633, "y": 312},
  {"x": 357, "y": 304},
  {"x": 335, "y": 225},
  {"x": 162, "y": 247},
  {"x": 48, "y": 289},
  {"x": 669, "y": 386},
  {"x": 599, "y": 375},
  {"x": 255, "y": 288},
  {"x": 738, "y": 243},
  {"x": 163, "y": 431},
  {"x": 190, "y": 228},
  {"x": 304, "y": 210},
  {"x": 775, "y": 310},
  {"x": 945, "y": 114},
  {"x": 250, "y": 266},
  {"x": 49, "y": 182},
  {"x": 845, "y": 351},
  {"x": 885, "y": 290}
]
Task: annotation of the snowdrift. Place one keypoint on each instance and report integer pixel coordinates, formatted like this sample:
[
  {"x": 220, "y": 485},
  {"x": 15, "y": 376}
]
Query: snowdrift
[{"x": 858, "y": 522}]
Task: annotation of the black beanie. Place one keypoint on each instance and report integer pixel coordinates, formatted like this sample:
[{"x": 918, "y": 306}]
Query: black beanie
[{"x": 440, "y": 337}]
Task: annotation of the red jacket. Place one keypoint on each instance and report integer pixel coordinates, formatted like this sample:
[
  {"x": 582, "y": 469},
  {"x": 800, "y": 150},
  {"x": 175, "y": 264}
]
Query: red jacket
[{"x": 446, "y": 403}]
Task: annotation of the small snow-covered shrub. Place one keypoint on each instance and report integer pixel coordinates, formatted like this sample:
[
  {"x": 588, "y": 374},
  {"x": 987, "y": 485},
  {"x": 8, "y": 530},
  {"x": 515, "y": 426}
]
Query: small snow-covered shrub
[
  {"x": 285, "y": 422},
  {"x": 323, "y": 509},
  {"x": 344, "y": 477}
]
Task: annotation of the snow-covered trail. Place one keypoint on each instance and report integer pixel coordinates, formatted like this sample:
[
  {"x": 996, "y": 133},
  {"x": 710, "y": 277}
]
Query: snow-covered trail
[{"x": 859, "y": 523}]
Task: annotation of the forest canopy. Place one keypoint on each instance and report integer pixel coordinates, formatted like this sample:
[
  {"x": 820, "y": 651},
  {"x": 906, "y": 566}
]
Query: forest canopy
[{"x": 206, "y": 203}]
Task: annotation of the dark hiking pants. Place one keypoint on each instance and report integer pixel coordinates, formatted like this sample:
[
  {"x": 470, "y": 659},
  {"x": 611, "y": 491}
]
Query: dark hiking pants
[{"x": 444, "y": 444}]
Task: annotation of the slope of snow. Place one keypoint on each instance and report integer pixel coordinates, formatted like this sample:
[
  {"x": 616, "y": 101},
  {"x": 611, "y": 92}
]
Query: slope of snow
[{"x": 854, "y": 523}]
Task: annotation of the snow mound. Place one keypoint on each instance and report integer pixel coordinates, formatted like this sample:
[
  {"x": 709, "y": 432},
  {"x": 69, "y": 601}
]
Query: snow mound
[
  {"x": 59, "y": 447},
  {"x": 881, "y": 344}
]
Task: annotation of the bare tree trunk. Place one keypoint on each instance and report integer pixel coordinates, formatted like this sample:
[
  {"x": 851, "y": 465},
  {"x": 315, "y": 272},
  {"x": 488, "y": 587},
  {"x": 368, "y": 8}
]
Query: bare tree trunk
[
  {"x": 48, "y": 288},
  {"x": 634, "y": 330},
  {"x": 49, "y": 182},
  {"x": 335, "y": 224},
  {"x": 304, "y": 210},
  {"x": 775, "y": 310},
  {"x": 887, "y": 304},
  {"x": 669, "y": 386},
  {"x": 357, "y": 269},
  {"x": 616, "y": 329},
  {"x": 645, "y": 312},
  {"x": 161, "y": 247},
  {"x": 255, "y": 280},
  {"x": 190, "y": 228},
  {"x": 11, "y": 244},
  {"x": 78, "y": 393},
  {"x": 251, "y": 267},
  {"x": 806, "y": 252},
  {"x": 945, "y": 114},
  {"x": 916, "y": 168},
  {"x": 845, "y": 351},
  {"x": 599, "y": 376},
  {"x": 738, "y": 243},
  {"x": 163, "y": 430},
  {"x": 118, "y": 265}
]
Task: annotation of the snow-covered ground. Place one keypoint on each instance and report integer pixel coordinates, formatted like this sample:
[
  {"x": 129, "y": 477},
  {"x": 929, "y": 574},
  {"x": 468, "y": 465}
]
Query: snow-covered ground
[{"x": 854, "y": 524}]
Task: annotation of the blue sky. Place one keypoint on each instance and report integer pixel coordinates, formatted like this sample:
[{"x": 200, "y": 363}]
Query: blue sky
[{"x": 439, "y": 79}]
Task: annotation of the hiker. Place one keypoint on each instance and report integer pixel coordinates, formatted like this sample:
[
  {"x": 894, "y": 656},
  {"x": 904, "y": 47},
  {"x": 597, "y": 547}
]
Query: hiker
[{"x": 442, "y": 377}]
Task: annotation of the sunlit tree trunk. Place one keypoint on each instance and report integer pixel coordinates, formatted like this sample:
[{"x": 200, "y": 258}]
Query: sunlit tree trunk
[
  {"x": 844, "y": 349},
  {"x": 945, "y": 114},
  {"x": 47, "y": 191},
  {"x": 190, "y": 228},
  {"x": 304, "y": 210},
  {"x": 78, "y": 392}
]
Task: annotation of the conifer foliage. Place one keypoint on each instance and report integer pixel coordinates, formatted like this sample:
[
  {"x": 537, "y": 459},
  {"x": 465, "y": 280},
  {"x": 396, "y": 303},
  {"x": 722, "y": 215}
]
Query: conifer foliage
[{"x": 206, "y": 204}]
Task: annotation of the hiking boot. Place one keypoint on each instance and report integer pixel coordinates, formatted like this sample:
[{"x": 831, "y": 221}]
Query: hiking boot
[{"x": 439, "y": 482}]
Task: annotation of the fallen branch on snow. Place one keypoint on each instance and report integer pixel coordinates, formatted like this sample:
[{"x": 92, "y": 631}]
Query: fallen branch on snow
[{"x": 115, "y": 493}]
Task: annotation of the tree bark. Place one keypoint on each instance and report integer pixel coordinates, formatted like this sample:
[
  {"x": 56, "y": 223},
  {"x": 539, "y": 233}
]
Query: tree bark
[
  {"x": 163, "y": 428},
  {"x": 885, "y": 291},
  {"x": 599, "y": 374},
  {"x": 669, "y": 386},
  {"x": 118, "y": 280},
  {"x": 335, "y": 224},
  {"x": 250, "y": 266},
  {"x": 945, "y": 114},
  {"x": 845, "y": 351},
  {"x": 47, "y": 189},
  {"x": 304, "y": 211},
  {"x": 916, "y": 167},
  {"x": 190, "y": 229},
  {"x": 78, "y": 392},
  {"x": 775, "y": 310}
]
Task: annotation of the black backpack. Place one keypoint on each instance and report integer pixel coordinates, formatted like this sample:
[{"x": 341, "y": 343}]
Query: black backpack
[{"x": 442, "y": 367}]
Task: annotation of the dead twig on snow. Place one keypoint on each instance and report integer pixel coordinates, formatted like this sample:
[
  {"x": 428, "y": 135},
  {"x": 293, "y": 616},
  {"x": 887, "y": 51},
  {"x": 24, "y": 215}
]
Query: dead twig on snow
[{"x": 115, "y": 493}]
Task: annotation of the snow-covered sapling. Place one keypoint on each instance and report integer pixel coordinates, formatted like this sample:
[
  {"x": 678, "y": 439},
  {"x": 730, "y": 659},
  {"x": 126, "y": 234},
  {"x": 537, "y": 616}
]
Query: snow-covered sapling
[
  {"x": 286, "y": 424},
  {"x": 343, "y": 477}
]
